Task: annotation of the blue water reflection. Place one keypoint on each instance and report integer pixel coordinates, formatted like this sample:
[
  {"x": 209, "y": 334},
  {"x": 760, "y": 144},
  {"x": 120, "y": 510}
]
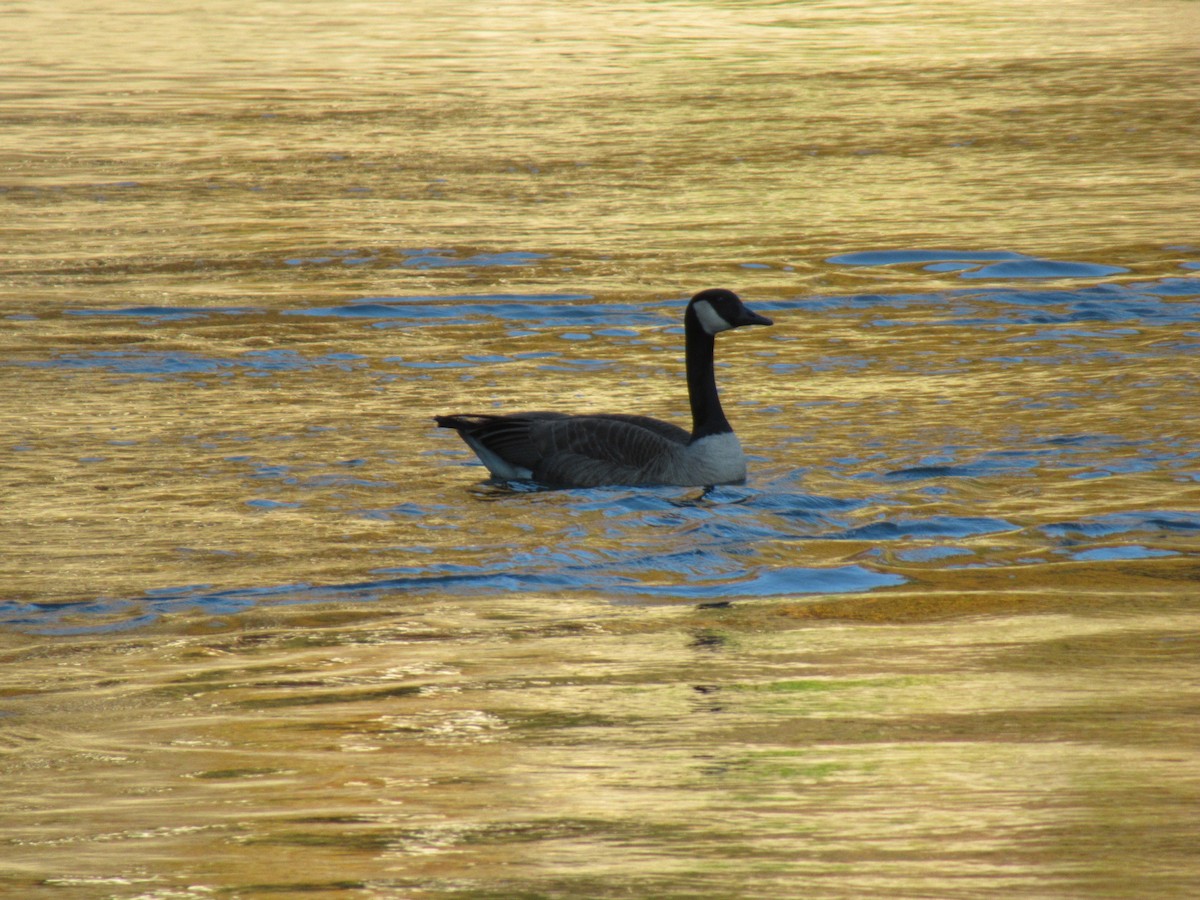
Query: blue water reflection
[
  {"x": 882, "y": 511},
  {"x": 996, "y": 265}
]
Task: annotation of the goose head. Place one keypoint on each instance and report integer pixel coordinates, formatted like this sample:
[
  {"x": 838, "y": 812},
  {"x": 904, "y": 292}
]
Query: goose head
[{"x": 717, "y": 309}]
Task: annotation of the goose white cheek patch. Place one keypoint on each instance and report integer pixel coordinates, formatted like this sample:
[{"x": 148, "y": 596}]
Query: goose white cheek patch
[{"x": 710, "y": 320}]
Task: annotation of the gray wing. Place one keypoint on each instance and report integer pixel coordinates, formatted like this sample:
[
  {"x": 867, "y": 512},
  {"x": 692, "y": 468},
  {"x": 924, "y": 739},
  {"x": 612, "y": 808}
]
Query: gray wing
[
  {"x": 578, "y": 451},
  {"x": 586, "y": 451}
]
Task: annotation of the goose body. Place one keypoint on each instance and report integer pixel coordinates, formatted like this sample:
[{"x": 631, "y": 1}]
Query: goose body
[{"x": 590, "y": 450}]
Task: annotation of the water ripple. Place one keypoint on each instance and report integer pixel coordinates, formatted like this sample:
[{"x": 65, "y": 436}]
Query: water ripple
[
  {"x": 423, "y": 258},
  {"x": 552, "y": 576},
  {"x": 177, "y": 363},
  {"x": 1000, "y": 265},
  {"x": 882, "y": 505},
  {"x": 1166, "y": 522}
]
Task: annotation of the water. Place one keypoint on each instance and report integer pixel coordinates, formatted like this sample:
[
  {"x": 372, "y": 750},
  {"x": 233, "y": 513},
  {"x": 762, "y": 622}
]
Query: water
[{"x": 266, "y": 630}]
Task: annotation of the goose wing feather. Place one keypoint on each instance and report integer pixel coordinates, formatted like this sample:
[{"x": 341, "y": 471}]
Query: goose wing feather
[
  {"x": 595, "y": 450},
  {"x": 583, "y": 451}
]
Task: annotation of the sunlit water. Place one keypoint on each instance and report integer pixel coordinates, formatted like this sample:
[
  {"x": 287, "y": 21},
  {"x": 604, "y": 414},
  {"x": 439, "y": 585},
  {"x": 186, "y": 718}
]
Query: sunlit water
[{"x": 265, "y": 630}]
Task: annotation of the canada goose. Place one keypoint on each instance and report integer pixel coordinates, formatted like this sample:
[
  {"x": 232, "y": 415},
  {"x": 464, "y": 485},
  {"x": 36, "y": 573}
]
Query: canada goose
[{"x": 589, "y": 450}]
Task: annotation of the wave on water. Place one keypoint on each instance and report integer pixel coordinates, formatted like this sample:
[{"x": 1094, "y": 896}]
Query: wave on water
[
  {"x": 985, "y": 264},
  {"x": 418, "y": 258},
  {"x": 885, "y": 513},
  {"x": 669, "y": 548}
]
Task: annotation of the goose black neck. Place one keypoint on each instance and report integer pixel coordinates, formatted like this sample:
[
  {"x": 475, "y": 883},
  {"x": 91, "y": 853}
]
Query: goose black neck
[{"x": 707, "y": 416}]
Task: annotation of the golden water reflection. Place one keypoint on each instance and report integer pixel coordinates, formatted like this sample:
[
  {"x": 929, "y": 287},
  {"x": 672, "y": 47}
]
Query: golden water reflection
[
  {"x": 436, "y": 748},
  {"x": 186, "y": 714},
  {"x": 643, "y": 147}
]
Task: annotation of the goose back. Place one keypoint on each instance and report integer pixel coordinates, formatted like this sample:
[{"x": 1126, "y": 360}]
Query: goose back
[{"x": 591, "y": 450}]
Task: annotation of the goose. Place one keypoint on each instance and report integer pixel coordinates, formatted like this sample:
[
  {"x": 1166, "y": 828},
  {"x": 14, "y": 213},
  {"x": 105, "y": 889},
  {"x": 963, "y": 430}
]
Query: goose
[{"x": 561, "y": 450}]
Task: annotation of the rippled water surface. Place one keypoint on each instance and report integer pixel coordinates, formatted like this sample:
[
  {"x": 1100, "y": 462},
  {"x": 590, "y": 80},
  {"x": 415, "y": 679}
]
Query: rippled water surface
[{"x": 266, "y": 631}]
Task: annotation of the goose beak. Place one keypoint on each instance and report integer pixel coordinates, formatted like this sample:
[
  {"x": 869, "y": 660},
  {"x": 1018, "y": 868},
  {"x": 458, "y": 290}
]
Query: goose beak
[{"x": 748, "y": 317}]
